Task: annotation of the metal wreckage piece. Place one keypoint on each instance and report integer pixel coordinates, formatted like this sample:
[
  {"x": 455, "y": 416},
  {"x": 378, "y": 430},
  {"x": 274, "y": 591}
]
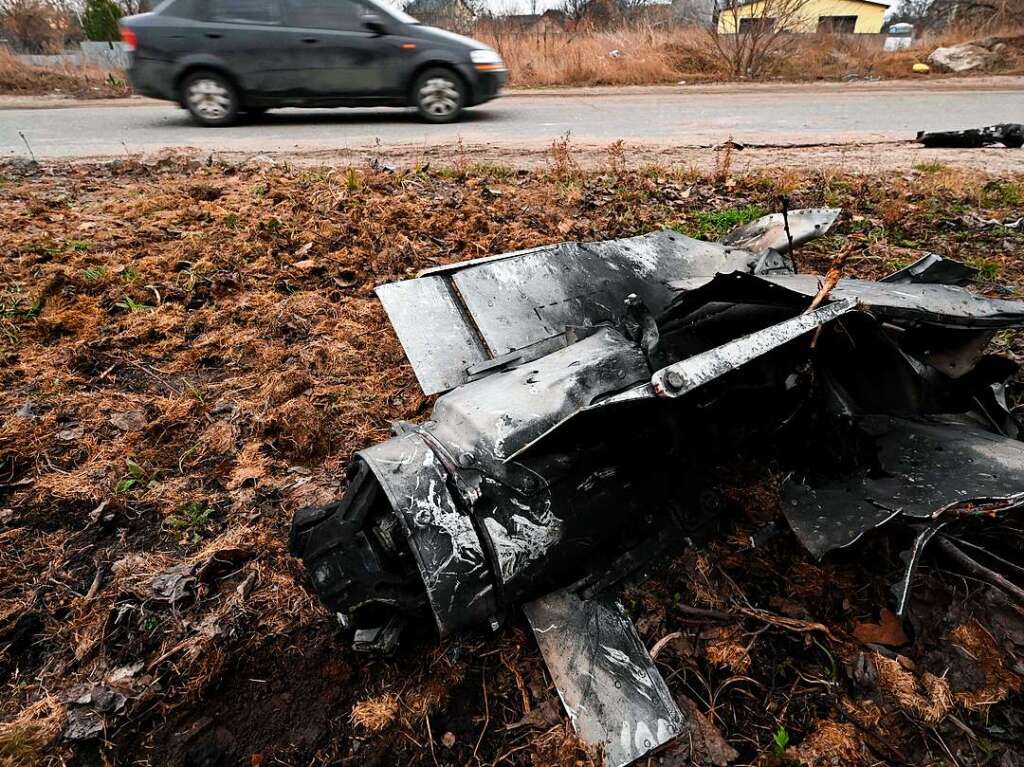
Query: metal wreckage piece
[
  {"x": 1010, "y": 135},
  {"x": 589, "y": 391}
]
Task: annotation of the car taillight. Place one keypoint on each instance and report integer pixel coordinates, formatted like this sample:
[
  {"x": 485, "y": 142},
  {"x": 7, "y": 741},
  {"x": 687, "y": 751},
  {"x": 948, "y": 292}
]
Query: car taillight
[{"x": 129, "y": 38}]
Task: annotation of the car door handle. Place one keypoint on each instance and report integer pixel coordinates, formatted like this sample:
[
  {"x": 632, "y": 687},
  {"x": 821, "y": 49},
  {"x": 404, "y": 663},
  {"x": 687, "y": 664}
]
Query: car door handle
[
  {"x": 310, "y": 40},
  {"x": 214, "y": 35}
]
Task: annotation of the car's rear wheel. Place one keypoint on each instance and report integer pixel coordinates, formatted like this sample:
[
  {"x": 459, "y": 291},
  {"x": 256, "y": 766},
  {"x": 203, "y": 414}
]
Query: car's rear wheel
[
  {"x": 211, "y": 98},
  {"x": 440, "y": 95}
]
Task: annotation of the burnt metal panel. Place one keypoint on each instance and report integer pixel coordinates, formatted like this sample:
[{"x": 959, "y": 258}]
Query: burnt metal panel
[
  {"x": 904, "y": 304},
  {"x": 454, "y": 319},
  {"x": 523, "y": 305},
  {"x": 610, "y": 687},
  {"x": 769, "y": 232},
  {"x": 542, "y": 295},
  {"x": 497, "y": 416},
  {"x": 443, "y": 540},
  {"x": 928, "y": 466},
  {"x": 438, "y": 339}
]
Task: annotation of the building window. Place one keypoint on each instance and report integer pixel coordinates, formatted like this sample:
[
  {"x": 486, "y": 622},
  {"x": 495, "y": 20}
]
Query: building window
[
  {"x": 756, "y": 25},
  {"x": 837, "y": 25}
]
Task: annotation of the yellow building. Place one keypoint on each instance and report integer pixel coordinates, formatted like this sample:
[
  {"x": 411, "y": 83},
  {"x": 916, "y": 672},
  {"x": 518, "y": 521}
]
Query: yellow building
[{"x": 842, "y": 16}]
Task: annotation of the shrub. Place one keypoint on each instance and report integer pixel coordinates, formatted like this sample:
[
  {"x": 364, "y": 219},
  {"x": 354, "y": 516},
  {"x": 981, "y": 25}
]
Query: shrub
[{"x": 99, "y": 19}]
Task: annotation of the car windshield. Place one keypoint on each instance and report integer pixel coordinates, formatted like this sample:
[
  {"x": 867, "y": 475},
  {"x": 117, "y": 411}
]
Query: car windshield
[{"x": 392, "y": 11}]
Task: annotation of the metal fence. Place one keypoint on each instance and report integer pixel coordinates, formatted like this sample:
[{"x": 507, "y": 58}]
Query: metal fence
[{"x": 112, "y": 55}]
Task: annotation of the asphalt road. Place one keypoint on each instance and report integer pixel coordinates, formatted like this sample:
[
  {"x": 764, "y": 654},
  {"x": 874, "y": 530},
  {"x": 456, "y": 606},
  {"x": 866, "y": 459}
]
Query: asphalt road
[{"x": 658, "y": 116}]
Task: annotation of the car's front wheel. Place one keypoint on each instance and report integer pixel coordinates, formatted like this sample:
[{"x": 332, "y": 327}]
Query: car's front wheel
[
  {"x": 440, "y": 95},
  {"x": 210, "y": 98}
]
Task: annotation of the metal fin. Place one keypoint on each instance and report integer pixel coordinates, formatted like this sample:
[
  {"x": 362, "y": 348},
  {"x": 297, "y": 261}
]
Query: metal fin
[
  {"x": 769, "y": 232},
  {"x": 935, "y": 269},
  {"x": 610, "y": 687}
]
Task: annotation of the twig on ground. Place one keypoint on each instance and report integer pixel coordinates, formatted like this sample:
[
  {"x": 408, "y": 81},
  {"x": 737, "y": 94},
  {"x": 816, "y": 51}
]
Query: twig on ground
[{"x": 979, "y": 571}]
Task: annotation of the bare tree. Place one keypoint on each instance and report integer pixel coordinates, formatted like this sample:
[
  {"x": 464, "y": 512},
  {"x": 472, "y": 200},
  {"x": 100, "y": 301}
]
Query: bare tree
[
  {"x": 576, "y": 10},
  {"x": 973, "y": 14},
  {"x": 35, "y": 26},
  {"x": 750, "y": 37}
]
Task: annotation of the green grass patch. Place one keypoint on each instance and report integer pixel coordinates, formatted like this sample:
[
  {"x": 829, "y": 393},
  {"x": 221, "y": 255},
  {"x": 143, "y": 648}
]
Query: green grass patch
[
  {"x": 94, "y": 273},
  {"x": 988, "y": 268},
  {"x": 713, "y": 224},
  {"x": 1002, "y": 193},
  {"x": 931, "y": 167},
  {"x": 191, "y": 523}
]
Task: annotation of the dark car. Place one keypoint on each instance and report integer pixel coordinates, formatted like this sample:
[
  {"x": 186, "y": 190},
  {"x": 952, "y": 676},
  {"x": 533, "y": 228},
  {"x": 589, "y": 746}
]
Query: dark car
[{"x": 223, "y": 58}]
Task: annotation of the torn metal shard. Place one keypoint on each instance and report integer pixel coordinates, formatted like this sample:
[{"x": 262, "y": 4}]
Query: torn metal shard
[
  {"x": 934, "y": 269},
  {"x": 609, "y": 685},
  {"x": 926, "y": 467},
  {"x": 930, "y": 473}
]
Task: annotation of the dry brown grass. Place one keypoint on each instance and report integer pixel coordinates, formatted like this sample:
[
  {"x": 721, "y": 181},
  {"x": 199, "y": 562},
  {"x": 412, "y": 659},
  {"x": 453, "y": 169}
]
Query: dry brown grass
[
  {"x": 24, "y": 739},
  {"x": 927, "y": 696},
  {"x": 258, "y": 359},
  {"x": 20, "y": 79},
  {"x": 376, "y": 714},
  {"x": 662, "y": 55}
]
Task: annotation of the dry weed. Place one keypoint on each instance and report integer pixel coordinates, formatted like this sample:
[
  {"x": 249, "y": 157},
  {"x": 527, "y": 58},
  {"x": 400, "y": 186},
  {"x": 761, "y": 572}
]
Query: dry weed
[
  {"x": 1000, "y": 682},
  {"x": 376, "y": 714},
  {"x": 831, "y": 743},
  {"x": 25, "y": 739},
  {"x": 652, "y": 55},
  {"x": 928, "y": 697},
  {"x": 88, "y": 82}
]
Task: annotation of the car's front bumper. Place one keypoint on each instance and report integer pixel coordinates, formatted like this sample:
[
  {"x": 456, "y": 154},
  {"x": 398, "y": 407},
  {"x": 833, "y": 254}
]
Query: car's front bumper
[{"x": 485, "y": 85}]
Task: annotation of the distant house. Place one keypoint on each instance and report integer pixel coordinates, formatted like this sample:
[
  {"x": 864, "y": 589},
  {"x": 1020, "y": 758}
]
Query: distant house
[
  {"x": 805, "y": 16},
  {"x": 552, "y": 21},
  {"x": 453, "y": 14},
  {"x": 698, "y": 12}
]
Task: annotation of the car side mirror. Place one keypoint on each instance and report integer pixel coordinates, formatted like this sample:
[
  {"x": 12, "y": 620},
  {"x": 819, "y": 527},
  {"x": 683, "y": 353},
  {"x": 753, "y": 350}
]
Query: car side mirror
[{"x": 375, "y": 24}]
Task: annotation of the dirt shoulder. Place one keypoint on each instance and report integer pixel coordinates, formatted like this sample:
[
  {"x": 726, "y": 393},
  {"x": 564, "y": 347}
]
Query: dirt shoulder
[{"x": 842, "y": 156}]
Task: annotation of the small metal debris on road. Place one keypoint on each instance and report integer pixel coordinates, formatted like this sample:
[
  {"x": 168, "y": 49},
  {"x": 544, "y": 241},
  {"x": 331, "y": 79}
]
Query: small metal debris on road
[
  {"x": 1010, "y": 135},
  {"x": 588, "y": 391}
]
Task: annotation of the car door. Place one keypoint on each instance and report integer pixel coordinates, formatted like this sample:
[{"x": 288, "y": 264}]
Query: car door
[
  {"x": 248, "y": 37},
  {"x": 347, "y": 61}
]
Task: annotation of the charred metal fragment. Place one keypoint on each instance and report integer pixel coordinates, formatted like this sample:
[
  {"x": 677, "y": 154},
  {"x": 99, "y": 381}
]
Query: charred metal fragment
[
  {"x": 452, "y": 319},
  {"x": 606, "y": 680},
  {"x": 1008, "y": 134},
  {"x": 930, "y": 472},
  {"x": 590, "y": 390},
  {"x": 769, "y": 232},
  {"x": 934, "y": 269}
]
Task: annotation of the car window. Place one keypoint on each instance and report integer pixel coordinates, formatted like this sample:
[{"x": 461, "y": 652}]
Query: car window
[
  {"x": 245, "y": 11},
  {"x": 340, "y": 15}
]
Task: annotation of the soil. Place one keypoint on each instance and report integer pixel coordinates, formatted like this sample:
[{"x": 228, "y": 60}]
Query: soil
[{"x": 191, "y": 351}]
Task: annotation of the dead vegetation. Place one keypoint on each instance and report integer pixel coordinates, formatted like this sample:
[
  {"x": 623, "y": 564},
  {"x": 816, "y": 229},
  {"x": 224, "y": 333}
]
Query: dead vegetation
[
  {"x": 644, "y": 55},
  {"x": 191, "y": 352},
  {"x": 652, "y": 55},
  {"x": 20, "y": 79}
]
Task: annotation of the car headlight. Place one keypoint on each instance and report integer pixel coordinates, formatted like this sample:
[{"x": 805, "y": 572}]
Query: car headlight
[{"x": 485, "y": 56}]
